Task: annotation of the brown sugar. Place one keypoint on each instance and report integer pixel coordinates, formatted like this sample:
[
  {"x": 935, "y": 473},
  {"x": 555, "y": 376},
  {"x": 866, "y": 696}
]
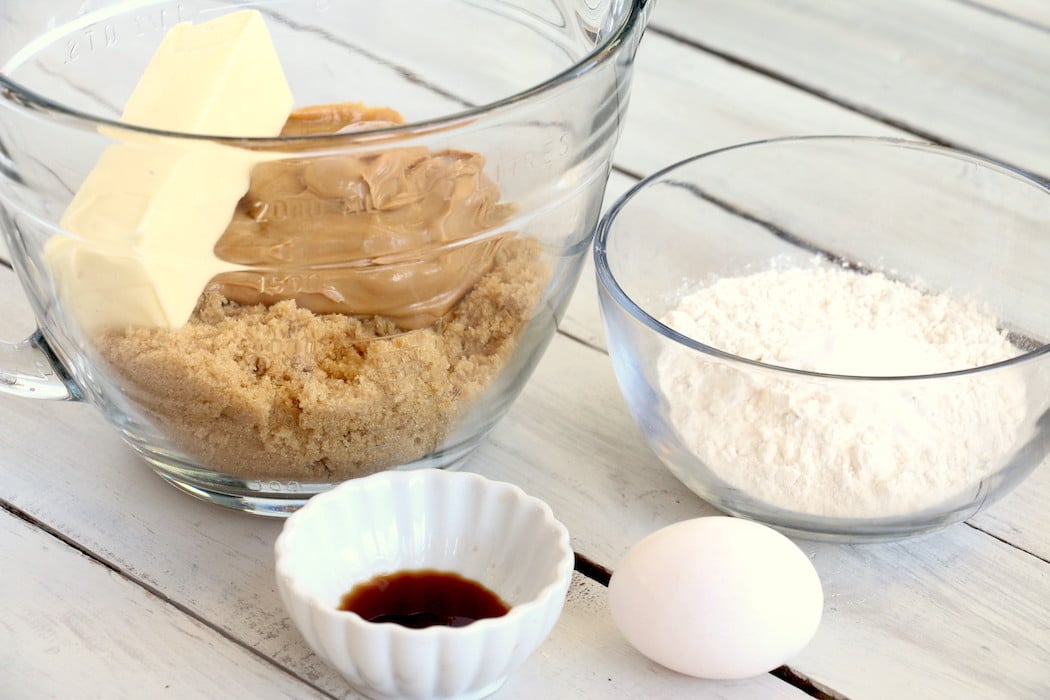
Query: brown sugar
[{"x": 281, "y": 392}]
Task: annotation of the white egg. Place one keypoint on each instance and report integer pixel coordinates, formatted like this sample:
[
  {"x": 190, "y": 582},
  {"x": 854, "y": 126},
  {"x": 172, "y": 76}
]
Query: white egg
[{"x": 716, "y": 597}]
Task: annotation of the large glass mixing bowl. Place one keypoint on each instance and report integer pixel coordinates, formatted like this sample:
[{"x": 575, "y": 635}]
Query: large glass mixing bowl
[
  {"x": 854, "y": 414},
  {"x": 388, "y": 281}
]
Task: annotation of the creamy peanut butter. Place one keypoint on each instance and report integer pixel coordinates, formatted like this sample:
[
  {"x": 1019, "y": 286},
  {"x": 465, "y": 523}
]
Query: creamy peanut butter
[{"x": 383, "y": 233}]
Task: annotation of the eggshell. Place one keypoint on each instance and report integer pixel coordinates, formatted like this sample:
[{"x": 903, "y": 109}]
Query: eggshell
[{"x": 716, "y": 597}]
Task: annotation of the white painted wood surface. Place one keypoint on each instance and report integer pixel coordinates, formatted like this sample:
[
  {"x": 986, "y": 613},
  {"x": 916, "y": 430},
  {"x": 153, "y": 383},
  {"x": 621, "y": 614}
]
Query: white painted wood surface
[
  {"x": 950, "y": 69},
  {"x": 167, "y": 582},
  {"x": 82, "y": 630}
]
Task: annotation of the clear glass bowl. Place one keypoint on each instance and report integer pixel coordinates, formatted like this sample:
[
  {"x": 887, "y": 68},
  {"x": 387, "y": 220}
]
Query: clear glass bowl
[
  {"x": 448, "y": 244},
  {"x": 817, "y": 445}
]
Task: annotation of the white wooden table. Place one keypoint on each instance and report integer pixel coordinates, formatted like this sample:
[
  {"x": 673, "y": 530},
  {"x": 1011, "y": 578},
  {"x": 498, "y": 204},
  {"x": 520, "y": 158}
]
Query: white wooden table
[{"x": 114, "y": 585}]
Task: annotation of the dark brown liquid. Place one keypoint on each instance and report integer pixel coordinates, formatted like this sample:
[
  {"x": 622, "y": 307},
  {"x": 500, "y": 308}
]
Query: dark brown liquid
[{"x": 423, "y": 598}]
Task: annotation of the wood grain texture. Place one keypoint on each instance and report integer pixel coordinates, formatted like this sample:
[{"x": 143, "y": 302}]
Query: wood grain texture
[{"x": 948, "y": 69}]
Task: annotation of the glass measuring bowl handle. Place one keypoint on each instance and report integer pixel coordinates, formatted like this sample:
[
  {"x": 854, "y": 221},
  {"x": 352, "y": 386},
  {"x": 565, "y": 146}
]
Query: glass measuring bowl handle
[{"x": 30, "y": 369}]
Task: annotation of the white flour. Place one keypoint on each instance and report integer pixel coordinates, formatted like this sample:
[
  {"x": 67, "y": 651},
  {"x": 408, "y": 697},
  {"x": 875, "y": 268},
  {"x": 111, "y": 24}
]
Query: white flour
[{"x": 841, "y": 448}]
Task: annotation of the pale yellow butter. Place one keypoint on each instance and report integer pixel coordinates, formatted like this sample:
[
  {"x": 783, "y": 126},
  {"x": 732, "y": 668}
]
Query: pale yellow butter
[
  {"x": 150, "y": 215},
  {"x": 221, "y": 78},
  {"x": 146, "y": 219}
]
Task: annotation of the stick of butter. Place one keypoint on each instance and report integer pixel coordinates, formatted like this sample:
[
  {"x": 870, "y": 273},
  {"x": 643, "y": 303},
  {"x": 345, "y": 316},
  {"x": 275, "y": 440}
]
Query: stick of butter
[
  {"x": 146, "y": 219},
  {"x": 221, "y": 78}
]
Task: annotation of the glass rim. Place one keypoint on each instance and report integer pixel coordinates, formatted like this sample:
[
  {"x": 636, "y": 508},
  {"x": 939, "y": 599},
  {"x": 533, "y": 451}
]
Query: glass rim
[
  {"x": 608, "y": 282},
  {"x": 12, "y": 91}
]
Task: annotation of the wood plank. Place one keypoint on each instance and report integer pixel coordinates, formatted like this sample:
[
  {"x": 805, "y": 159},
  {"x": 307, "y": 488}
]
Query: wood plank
[
  {"x": 978, "y": 605},
  {"x": 716, "y": 104},
  {"x": 71, "y": 626},
  {"x": 569, "y": 441},
  {"x": 955, "y": 71}
]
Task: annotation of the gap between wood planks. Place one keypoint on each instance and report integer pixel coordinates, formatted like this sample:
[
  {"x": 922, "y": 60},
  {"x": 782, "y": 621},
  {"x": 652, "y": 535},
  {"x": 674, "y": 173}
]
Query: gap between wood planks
[
  {"x": 73, "y": 544},
  {"x": 1006, "y": 542},
  {"x": 976, "y": 4}
]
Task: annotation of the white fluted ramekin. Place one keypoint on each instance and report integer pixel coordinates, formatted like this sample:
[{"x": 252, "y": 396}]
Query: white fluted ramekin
[{"x": 488, "y": 531}]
